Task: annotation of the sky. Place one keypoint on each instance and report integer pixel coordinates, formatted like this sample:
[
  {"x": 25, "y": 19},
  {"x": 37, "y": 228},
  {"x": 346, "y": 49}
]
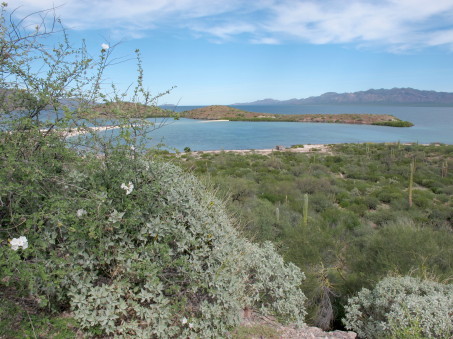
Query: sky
[{"x": 233, "y": 51}]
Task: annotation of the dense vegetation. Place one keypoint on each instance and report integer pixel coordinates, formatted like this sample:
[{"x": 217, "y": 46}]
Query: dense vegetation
[
  {"x": 98, "y": 240},
  {"x": 398, "y": 123},
  {"x": 360, "y": 224},
  {"x": 402, "y": 307},
  {"x": 131, "y": 247}
]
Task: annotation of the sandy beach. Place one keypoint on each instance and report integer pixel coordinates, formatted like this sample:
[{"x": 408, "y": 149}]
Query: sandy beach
[
  {"x": 218, "y": 120},
  {"x": 318, "y": 148},
  {"x": 72, "y": 132}
]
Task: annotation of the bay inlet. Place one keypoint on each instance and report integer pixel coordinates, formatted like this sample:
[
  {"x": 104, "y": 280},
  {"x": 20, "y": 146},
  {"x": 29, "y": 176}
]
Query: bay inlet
[{"x": 431, "y": 125}]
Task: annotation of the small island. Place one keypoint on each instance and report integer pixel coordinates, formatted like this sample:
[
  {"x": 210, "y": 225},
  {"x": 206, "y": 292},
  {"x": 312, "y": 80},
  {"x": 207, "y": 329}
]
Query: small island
[{"x": 219, "y": 112}]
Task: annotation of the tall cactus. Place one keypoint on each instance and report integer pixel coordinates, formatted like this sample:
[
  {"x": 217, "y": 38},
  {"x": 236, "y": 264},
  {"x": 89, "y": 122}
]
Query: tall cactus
[
  {"x": 305, "y": 210},
  {"x": 444, "y": 168},
  {"x": 411, "y": 181}
]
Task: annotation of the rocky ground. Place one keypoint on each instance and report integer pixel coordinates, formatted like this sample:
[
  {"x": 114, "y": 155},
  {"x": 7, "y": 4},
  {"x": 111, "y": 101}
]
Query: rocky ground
[
  {"x": 314, "y": 332},
  {"x": 255, "y": 326}
]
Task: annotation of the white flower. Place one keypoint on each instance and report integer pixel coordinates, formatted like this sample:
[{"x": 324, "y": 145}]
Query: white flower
[
  {"x": 132, "y": 148},
  {"x": 81, "y": 212},
  {"x": 16, "y": 243},
  {"x": 190, "y": 325},
  {"x": 105, "y": 46},
  {"x": 128, "y": 188},
  {"x": 184, "y": 320}
]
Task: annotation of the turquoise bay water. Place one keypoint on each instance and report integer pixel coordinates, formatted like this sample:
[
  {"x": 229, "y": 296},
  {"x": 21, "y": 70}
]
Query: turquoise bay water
[{"x": 432, "y": 124}]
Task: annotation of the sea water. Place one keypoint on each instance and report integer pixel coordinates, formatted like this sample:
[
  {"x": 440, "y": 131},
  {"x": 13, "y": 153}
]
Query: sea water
[{"x": 431, "y": 125}]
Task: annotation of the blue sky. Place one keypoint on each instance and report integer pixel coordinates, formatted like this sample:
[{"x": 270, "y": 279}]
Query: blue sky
[{"x": 228, "y": 51}]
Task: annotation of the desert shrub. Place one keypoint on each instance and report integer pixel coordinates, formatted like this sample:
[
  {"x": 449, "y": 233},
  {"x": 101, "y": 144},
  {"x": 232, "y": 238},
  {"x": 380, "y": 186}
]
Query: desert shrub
[
  {"x": 343, "y": 198},
  {"x": 354, "y": 236},
  {"x": 371, "y": 202},
  {"x": 389, "y": 193},
  {"x": 383, "y": 216},
  {"x": 358, "y": 208},
  {"x": 398, "y": 304},
  {"x": 278, "y": 190},
  {"x": 236, "y": 189},
  {"x": 259, "y": 218},
  {"x": 312, "y": 185},
  {"x": 140, "y": 248},
  {"x": 339, "y": 218},
  {"x": 272, "y": 197},
  {"x": 320, "y": 202},
  {"x": 447, "y": 190},
  {"x": 309, "y": 246},
  {"x": 422, "y": 199},
  {"x": 402, "y": 247},
  {"x": 430, "y": 183},
  {"x": 271, "y": 281},
  {"x": 133, "y": 247},
  {"x": 441, "y": 216},
  {"x": 273, "y": 162},
  {"x": 316, "y": 169}
]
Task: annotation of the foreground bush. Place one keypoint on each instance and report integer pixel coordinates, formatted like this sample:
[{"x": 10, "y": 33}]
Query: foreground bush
[
  {"x": 136, "y": 248},
  {"x": 133, "y": 248},
  {"x": 403, "y": 307}
]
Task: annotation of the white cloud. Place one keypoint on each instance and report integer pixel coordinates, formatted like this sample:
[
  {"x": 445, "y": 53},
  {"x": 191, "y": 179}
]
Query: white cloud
[
  {"x": 130, "y": 17},
  {"x": 408, "y": 23},
  {"x": 265, "y": 41},
  {"x": 396, "y": 24},
  {"x": 226, "y": 30}
]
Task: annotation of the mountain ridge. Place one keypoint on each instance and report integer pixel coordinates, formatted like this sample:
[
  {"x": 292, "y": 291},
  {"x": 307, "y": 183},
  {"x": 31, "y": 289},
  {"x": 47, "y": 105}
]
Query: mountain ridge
[{"x": 398, "y": 96}]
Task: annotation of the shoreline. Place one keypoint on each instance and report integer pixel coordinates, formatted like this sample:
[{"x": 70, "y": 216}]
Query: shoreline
[
  {"x": 206, "y": 121},
  {"x": 318, "y": 148},
  {"x": 72, "y": 132},
  {"x": 308, "y": 148}
]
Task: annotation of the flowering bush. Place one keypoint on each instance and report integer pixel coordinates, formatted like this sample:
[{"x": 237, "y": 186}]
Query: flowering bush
[
  {"x": 128, "y": 188},
  {"x": 163, "y": 262},
  {"x": 134, "y": 248},
  {"x": 402, "y": 305},
  {"x": 17, "y": 243}
]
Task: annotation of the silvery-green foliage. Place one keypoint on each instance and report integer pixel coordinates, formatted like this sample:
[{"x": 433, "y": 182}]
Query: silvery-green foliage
[
  {"x": 399, "y": 303},
  {"x": 137, "y": 249},
  {"x": 172, "y": 253},
  {"x": 271, "y": 281},
  {"x": 164, "y": 261}
]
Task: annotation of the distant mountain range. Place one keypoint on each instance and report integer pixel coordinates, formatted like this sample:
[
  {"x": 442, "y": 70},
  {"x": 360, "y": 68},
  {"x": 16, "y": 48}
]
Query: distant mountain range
[{"x": 394, "y": 96}]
